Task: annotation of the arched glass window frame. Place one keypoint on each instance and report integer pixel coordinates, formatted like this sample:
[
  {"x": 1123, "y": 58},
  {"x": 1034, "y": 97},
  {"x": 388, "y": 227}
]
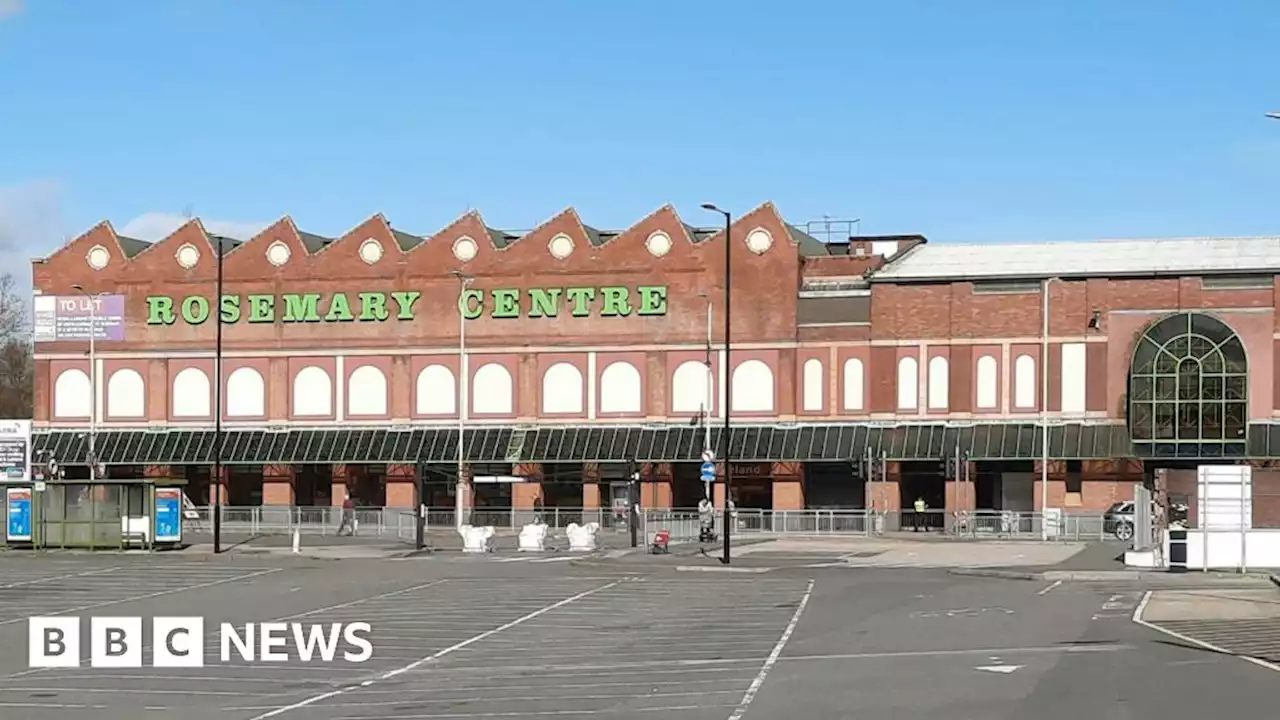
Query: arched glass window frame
[{"x": 1188, "y": 388}]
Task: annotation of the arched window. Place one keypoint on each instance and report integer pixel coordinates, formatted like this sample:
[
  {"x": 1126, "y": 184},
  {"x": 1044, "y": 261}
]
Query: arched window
[{"x": 1188, "y": 388}]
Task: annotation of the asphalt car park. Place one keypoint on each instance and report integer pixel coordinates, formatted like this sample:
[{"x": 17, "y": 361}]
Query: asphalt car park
[{"x": 522, "y": 639}]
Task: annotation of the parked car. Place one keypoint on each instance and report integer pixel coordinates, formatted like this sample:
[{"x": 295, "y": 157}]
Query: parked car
[{"x": 1118, "y": 520}]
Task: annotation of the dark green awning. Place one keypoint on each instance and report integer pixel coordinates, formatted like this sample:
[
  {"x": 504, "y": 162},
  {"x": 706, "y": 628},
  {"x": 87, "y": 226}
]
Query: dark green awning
[{"x": 982, "y": 441}]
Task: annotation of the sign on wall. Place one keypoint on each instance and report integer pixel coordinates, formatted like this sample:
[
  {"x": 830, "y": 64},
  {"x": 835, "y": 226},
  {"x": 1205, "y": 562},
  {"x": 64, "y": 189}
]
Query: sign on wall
[
  {"x": 607, "y": 301},
  {"x": 15, "y": 450},
  {"x": 70, "y": 317}
]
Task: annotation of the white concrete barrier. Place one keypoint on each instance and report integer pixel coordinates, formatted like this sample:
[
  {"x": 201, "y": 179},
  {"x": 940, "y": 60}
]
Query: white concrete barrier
[
  {"x": 533, "y": 537},
  {"x": 476, "y": 539},
  {"x": 582, "y": 538}
]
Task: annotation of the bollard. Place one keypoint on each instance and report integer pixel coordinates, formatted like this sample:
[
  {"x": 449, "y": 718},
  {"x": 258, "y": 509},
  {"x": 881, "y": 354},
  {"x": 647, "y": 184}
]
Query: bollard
[
  {"x": 297, "y": 540},
  {"x": 1177, "y": 550}
]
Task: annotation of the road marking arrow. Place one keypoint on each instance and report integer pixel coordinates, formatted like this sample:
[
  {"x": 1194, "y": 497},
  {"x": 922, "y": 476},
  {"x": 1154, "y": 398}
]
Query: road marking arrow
[{"x": 1004, "y": 669}]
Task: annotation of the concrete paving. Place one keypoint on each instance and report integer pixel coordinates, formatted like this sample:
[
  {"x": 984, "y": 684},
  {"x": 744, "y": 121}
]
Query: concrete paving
[
  {"x": 903, "y": 553},
  {"x": 467, "y": 638},
  {"x": 1243, "y": 622}
]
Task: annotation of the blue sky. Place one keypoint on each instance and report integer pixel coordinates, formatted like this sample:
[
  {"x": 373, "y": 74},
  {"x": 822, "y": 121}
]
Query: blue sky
[{"x": 966, "y": 121}]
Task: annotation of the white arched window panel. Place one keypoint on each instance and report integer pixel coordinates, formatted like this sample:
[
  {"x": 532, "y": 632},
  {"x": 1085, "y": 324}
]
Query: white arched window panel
[
  {"x": 854, "y": 379},
  {"x": 988, "y": 379},
  {"x": 246, "y": 393},
  {"x": 939, "y": 385},
  {"x": 126, "y": 395},
  {"x": 620, "y": 389},
  {"x": 492, "y": 390},
  {"x": 1024, "y": 382},
  {"x": 908, "y": 383},
  {"x": 562, "y": 389},
  {"x": 72, "y": 396},
  {"x": 752, "y": 387},
  {"x": 312, "y": 392},
  {"x": 437, "y": 391},
  {"x": 367, "y": 391},
  {"x": 191, "y": 394},
  {"x": 690, "y": 385},
  {"x": 813, "y": 385}
]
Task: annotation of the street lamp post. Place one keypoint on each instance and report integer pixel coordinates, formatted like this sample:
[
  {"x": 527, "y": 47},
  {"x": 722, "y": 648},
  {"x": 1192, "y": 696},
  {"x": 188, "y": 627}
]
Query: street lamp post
[
  {"x": 93, "y": 378},
  {"x": 708, "y": 401},
  {"x": 459, "y": 501},
  {"x": 727, "y": 374},
  {"x": 1044, "y": 409},
  {"x": 217, "y": 403}
]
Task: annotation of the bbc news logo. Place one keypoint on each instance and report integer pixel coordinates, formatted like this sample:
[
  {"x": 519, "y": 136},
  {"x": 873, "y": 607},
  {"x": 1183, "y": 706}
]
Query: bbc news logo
[{"x": 118, "y": 642}]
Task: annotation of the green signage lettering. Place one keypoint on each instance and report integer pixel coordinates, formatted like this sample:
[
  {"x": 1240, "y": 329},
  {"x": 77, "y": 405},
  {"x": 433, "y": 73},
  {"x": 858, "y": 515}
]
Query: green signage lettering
[
  {"x": 301, "y": 308},
  {"x": 544, "y": 303},
  {"x": 339, "y": 309},
  {"x": 405, "y": 302},
  {"x": 159, "y": 310},
  {"x": 373, "y": 306},
  {"x": 580, "y": 297},
  {"x": 615, "y": 302},
  {"x": 195, "y": 310},
  {"x": 471, "y": 304},
  {"x": 653, "y": 300},
  {"x": 506, "y": 303},
  {"x": 262, "y": 308},
  {"x": 503, "y": 303},
  {"x": 230, "y": 308}
]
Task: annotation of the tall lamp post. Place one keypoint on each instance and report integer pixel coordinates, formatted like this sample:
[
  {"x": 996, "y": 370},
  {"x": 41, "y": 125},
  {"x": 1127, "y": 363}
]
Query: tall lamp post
[
  {"x": 459, "y": 501},
  {"x": 726, "y": 373},
  {"x": 92, "y": 299},
  {"x": 708, "y": 401},
  {"x": 1044, "y": 408},
  {"x": 217, "y": 404}
]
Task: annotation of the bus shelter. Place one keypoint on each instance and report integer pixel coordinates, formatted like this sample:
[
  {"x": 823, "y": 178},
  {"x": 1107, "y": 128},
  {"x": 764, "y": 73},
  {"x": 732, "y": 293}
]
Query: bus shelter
[{"x": 102, "y": 514}]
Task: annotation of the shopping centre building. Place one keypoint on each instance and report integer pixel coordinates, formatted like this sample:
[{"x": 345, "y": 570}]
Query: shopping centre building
[{"x": 862, "y": 371}]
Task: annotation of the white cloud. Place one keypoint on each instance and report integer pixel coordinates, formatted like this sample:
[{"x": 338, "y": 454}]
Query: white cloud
[
  {"x": 10, "y": 7},
  {"x": 154, "y": 226}
]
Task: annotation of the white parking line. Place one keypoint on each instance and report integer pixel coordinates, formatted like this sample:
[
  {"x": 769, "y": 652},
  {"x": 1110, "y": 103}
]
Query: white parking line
[
  {"x": 55, "y": 578},
  {"x": 437, "y": 655},
  {"x": 773, "y": 657},
  {"x": 1051, "y": 588},
  {"x": 1137, "y": 617},
  {"x": 148, "y": 596}
]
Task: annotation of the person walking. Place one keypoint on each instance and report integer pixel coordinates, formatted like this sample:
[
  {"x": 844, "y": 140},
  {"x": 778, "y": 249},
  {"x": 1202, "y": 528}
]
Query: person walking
[
  {"x": 706, "y": 520},
  {"x": 348, "y": 514},
  {"x": 920, "y": 510}
]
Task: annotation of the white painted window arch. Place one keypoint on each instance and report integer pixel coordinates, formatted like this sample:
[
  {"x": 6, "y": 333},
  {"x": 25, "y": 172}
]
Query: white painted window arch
[
  {"x": 621, "y": 389},
  {"x": 437, "y": 391},
  {"x": 1024, "y": 382},
  {"x": 752, "y": 387},
  {"x": 492, "y": 390},
  {"x": 988, "y": 380},
  {"x": 192, "y": 394},
  {"x": 939, "y": 383},
  {"x": 246, "y": 394},
  {"x": 854, "y": 380},
  {"x": 367, "y": 391},
  {"x": 72, "y": 394},
  {"x": 908, "y": 383},
  {"x": 813, "y": 385},
  {"x": 312, "y": 392},
  {"x": 126, "y": 394},
  {"x": 562, "y": 389},
  {"x": 690, "y": 387}
]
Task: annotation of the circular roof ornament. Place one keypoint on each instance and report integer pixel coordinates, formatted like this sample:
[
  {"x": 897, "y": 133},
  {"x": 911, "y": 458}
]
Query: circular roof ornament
[
  {"x": 759, "y": 241},
  {"x": 658, "y": 244},
  {"x": 98, "y": 257},
  {"x": 465, "y": 249},
  {"x": 370, "y": 251},
  {"x": 188, "y": 256},
  {"x": 561, "y": 246},
  {"x": 278, "y": 253}
]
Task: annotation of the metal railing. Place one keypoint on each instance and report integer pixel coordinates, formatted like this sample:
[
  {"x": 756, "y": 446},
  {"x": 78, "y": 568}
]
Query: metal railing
[{"x": 683, "y": 524}]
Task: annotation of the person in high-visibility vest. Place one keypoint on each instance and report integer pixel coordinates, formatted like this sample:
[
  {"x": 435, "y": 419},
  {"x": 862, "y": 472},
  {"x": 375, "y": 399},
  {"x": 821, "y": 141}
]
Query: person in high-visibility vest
[{"x": 920, "y": 508}]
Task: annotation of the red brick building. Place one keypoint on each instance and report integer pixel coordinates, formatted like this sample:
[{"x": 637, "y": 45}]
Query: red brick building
[{"x": 865, "y": 372}]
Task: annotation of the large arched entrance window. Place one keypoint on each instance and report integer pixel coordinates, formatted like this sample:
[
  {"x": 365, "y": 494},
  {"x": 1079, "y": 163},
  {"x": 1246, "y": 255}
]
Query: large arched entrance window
[{"x": 1188, "y": 389}]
